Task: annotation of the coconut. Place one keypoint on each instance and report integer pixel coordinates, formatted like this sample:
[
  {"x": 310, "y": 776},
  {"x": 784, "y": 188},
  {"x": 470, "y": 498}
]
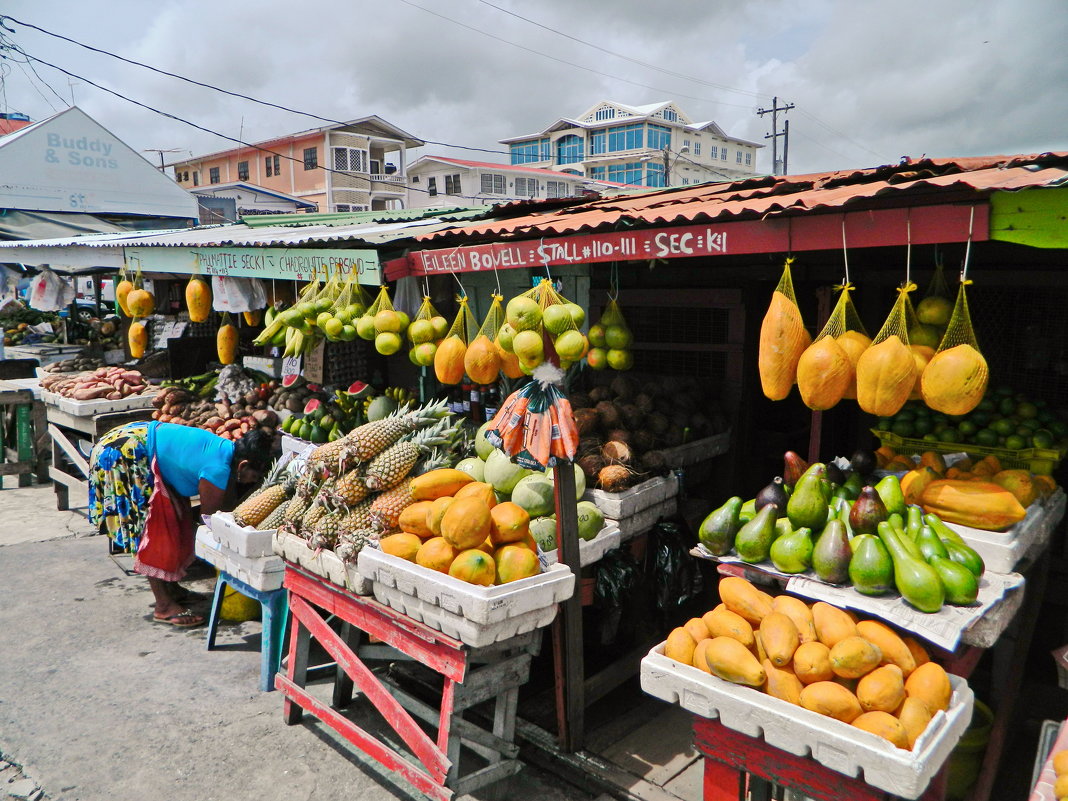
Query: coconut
[
  {"x": 598, "y": 394},
  {"x": 654, "y": 462},
  {"x": 633, "y": 417},
  {"x": 483, "y": 447},
  {"x": 644, "y": 402},
  {"x": 591, "y": 465},
  {"x": 617, "y": 452},
  {"x": 543, "y": 530},
  {"x": 643, "y": 440},
  {"x": 609, "y": 414},
  {"x": 590, "y": 445},
  {"x": 614, "y": 478},
  {"x": 623, "y": 387},
  {"x": 586, "y": 421},
  {"x": 658, "y": 423},
  {"x": 579, "y": 400},
  {"x": 619, "y": 435}
]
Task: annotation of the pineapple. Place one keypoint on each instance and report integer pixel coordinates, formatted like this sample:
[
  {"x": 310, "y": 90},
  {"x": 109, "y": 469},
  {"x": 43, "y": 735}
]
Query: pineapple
[
  {"x": 386, "y": 508},
  {"x": 350, "y": 488},
  {"x": 312, "y": 517},
  {"x": 370, "y": 439},
  {"x": 295, "y": 510},
  {"x": 277, "y": 517},
  {"x": 356, "y": 518},
  {"x": 274, "y": 490},
  {"x": 324, "y": 533},
  {"x": 349, "y": 546},
  {"x": 331, "y": 459},
  {"x": 392, "y": 466}
]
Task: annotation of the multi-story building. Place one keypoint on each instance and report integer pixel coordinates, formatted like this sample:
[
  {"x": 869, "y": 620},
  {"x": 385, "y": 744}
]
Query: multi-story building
[
  {"x": 442, "y": 181},
  {"x": 652, "y": 145},
  {"x": 358, "y": 166}
]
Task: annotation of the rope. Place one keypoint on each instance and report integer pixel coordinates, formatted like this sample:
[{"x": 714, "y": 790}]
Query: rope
[
  {"x": 613, "y": 281},
  {"x": 908, "y": 248},
  {"x": 845, "y": 253},
  {"x": 463, "y": 292},
  {"x": 967, "y": 248}
]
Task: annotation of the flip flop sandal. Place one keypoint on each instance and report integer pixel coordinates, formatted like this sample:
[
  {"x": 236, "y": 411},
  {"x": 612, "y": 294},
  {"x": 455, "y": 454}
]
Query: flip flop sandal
[{"x": 183, "y": 620}]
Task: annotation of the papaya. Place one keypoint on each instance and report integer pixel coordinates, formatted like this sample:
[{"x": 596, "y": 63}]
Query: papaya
[
  {"x": 435, "y": 554},
  {"x": 474, "y": 566},
  {"x": 930, "y": 684},
  {"x": 198, "y": 299},
  {"x": 824, "y": 373},
  {"x": 509, "y": 361},
  {"x": 226, "y": 343},
  {"x": 854, "y": 344},
  {"x": 482, "y": 361},
  {"x": 680, "y": 646},
  {"x": 780, "y": 638},
  {"x": 699, "y": 660},
  {"x": 122, "y": 293},
  {"x": 883, "y": 689},
  {"x": 252, "y": 317},
  {"x": 1046, "y": 485},
  {"x": 466, "y": 523},
  {"x": 812, "y": 663},
  {"x": 955, "y": 379},
  {"x": 922, "y": 354},
  {"x": 1060, "y": 787},
  {"x": 403, "y": 545},
  {"x": 884, "y": 725},
  {"x": 915, "y": 481},
  {"x": 413, "y": 519},
  {"x": 741, "y": 597},
  {"x": 1060, "y": 762},
  {"x": 783, "y": 338},
  {"x": 478, "y": 489},
  {"x": 731, "y": 661},
  {"x": 514, "y": 562},
  {"x": 914, "y": 716},
  {"x": 509, "y": 522},
  {"x": 140, "y": 302},
  {"x": 722, "y": 622},
  {"x": 894, "y": 649},
  {"x": 758, "y": 647},
  {"x": 978, "y": 504},
  {"x": 137, "y": 336},
  {"x": 697, "y": 629},
  {"x": 853, "y": 657},
  {"x": 832, "y": 700},
  {"x": 886, "y": 374},
  {"x": 934, "y": 461},
  {"x": 798, "y": 611},
  {"x": 832, "y": 624},
  {"x": 436, "y": 512},
  {"x": 919, "y": 653},
  {"x": 438, "y": 483},
  {"x": 782, "y": 683},
  {"x": 1020, "y": 483},
  {"x": 449, "y": 360}
]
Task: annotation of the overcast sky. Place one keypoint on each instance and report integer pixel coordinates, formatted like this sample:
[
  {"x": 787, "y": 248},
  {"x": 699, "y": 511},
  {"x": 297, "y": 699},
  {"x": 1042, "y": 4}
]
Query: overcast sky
[{"x": 871, "y": 81}]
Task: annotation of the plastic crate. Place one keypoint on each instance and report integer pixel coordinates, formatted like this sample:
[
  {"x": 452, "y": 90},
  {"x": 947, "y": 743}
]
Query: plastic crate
[
  {"x": 617, "y": 505},
  {"x": 1040, "y": 461}
]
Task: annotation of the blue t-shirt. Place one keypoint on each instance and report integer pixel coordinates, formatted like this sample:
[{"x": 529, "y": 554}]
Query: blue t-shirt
[{"x": 188, "y": 454}]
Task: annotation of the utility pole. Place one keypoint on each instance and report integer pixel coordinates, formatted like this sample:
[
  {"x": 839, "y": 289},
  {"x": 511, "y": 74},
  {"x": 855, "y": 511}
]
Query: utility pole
[
  {"x": 667, "y": 168},
  {"x": 161, "y": 152},
  {"x": 775, "y": 134}
]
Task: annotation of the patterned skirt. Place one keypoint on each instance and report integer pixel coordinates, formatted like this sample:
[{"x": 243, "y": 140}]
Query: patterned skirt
[{"x": 120, "y": 484}]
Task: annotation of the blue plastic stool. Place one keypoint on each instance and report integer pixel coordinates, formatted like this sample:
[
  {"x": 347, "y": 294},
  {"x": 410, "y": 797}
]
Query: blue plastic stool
[{"x": 275, "y": 605}]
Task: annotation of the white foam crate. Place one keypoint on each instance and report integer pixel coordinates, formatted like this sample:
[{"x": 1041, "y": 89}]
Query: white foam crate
[
  {"x": 262, "y": 573},
  {"x": 644, "y": 520},
  {"x": 697, "y": 451},
  {"x": 89, "y": 408},
  {"x": 1047, "y": 777},
  {"x": 245, "y": 540},
  {"x": 473, "y": 614},
  {"x": 291, "y": 444},
  {"x": 1001, "y": 550},
  {"x": 617, "y": 505},
  {"x": 798, "y": 731},
  {"x": 590, "y": 551},
  {"x": 323, "y": 563}
]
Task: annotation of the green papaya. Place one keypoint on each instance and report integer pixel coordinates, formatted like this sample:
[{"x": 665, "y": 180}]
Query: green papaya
[
  {"x": 792, "y": 553},
  {"x": 754, "y": 539},
  {"x": 961, "y": 585},
  {"x": 965, "y": 555},
  {"x": 871, "y": 569},
  {"x": 942, "y": 530},
  {"x": 916, "y": 581},
  {"x": 914, "y": 522},
  {"x": 718, "y": 530}
]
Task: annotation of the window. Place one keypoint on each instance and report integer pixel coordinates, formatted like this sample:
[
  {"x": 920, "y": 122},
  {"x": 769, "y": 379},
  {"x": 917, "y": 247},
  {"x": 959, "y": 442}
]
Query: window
[
  {"x": 415, "y": 179},
  {"x": 432, "y": 186},
  {"x": 569, "y": 149},
  {"x": 527, "y": 187},
  {"x": 632, "y": 173},
  {"x": 213, "y": 175},
  {"x": 556, "y": 188},
  {"x": 654, "y": 175},
  {"x": 452, "y": 184},
  {"x": 530, "y": 151},
  {"x": 350, "y": 159},
  {"x": 605, "y": 113},
  {"x": 196, "y": 178},
  {"x": 670, "y": 115},
  {"x": 242, "y": 170},
  {"x": 597, "y": 142},
  {"x": 685, "y": 142},
  {"x": 723, "y": 154},
  {"x": 714, "y": 152},
  {"x": 273, "y": 165},
  {"x": 311, "y": 158},
  {"x": 625, "y": 137},
  {"x": 738, "y": 155},
  {"x": 492, "y": 184},
  {"x": 748, "y": 159},
  {"x": 659, "y": 137},
  {"x": 597, "y": 173},
  {"x": 697, "y": 148},
  {"x": 342, "y": 207}
]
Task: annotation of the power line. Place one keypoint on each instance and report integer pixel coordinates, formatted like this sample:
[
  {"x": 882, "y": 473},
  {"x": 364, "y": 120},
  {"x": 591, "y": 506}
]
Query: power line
[{"x": 838, "y": 133}]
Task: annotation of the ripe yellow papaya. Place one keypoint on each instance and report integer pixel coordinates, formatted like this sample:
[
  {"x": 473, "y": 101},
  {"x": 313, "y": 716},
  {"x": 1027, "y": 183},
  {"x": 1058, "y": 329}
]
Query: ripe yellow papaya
[
  {"x": 798, "y": 611},
  {"x": 833, "y": 700},
  {"x": 449, "y": 360},
  {"x": 930, "y": 684},
  {"x": 884, "y": 725},
  {"x": 198, "y": 299},
  {"x": 894, "y": 649},
  {"x": 779, "y": 636},
  {"x": 226, "y": 343},
  {"x": 782, "y": 683},
  {"x": 680, "y": 646},
  {"x": 914, "y": 716},
  {"x": 140, "y": 302},
  {"x": 122, "y": 292},
  {"x": 731, "y": 661},
  {"x": 438, "y": 483},
  {"x": 955, "y": 379},
  {"x": 886, "y": 374},
  {"x": 883, "y": 689},
  {"x": 466, "y": 523},
  {"x": 783, "y": 338},
  {"x": 832, "y": 624},
  {"x": 853, "y": 657},
  {"x": 854, "y": 344},
  {"x": 741, "y": 597},
  {"x": 978, "y": 504},
  {"x": 137, "y": 337},
  {"x": 722, "y": 622},
  {"x": 812, "y": 663},
  {"x": 824, "y": 373},
  {"x": 482, "y": 362}
]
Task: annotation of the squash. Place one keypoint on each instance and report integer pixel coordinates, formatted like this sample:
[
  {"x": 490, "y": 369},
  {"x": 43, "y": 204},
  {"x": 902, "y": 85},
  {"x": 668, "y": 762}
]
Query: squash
[
  {"x": 885, "y": 376},
  {"x": 783, "y": 338},
  {"x": 978, "y": 504}
]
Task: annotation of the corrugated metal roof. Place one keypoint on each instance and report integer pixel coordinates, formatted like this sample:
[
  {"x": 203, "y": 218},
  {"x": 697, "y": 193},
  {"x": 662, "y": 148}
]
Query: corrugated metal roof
[{"x": 754, "y": 198}]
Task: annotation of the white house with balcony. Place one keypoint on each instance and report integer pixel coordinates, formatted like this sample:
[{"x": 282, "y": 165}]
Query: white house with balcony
[
  {"x": 650, "y": 146},
  {"x": 442, "y": 181}
]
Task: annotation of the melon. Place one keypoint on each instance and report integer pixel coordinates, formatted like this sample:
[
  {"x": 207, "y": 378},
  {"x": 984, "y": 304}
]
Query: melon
[
  {"x": 590, "y": 520},
  {"x": 380, "y": 408},
  {"x": 543, "y": 529},
  {"x": 483, "y": 447},
  {"x": 501, "y": 473},
  {"x": 580, "y": 480},
  {"x": 535, "y": 494},
  {"x": 474, "y": 467}
]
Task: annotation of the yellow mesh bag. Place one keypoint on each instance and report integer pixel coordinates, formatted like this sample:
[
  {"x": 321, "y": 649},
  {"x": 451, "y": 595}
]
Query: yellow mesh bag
[
  {"x": 886, "y": 371},
  {"x": 449, "y": 357},
  {"x": 426, "y": 330},
  {"x": 826, "y": 371},
  {"x": 482, "y": 361},
  {"x": 933, "y": 312},
  {"x": 783, "y": 338},
  {"x": 541, "y": 323},
  {"x": 954, "y": 380},
  {"x": 610, "y": 340}
]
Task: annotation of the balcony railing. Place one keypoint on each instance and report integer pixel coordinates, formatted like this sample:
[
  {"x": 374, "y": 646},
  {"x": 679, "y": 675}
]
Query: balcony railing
[{"x": 387, "y": 180}]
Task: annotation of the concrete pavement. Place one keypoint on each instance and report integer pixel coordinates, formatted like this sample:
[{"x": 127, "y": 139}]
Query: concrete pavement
[{"x": 98, "y": 702}]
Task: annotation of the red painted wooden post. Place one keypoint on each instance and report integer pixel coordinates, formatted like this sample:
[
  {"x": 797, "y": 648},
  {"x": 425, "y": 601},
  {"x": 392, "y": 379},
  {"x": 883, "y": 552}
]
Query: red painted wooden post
[{"x": 721, "y": 782}]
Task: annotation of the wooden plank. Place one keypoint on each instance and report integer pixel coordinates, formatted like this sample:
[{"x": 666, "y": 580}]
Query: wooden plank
[
  {"x": 362, "y": 677},
  {"x": 69, "y": 448},
  {"x": 482, "y": 742},
  {"x": 488, "y": 681},
  {"x": 66, "y": 479},
  {"x": 366, "y": 742},
  {"x": 487, "y": 775},
  {"x": 435, "y": 650},
  {"x": 722, "y": 783},
  {"x": 568, "y": 657},
  {"x": 83, "y": 425},
  {"x": 297, "y": 668}
]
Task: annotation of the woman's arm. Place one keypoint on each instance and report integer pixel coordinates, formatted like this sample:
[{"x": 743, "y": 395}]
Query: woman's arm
[{"x": 211, "y": 497}]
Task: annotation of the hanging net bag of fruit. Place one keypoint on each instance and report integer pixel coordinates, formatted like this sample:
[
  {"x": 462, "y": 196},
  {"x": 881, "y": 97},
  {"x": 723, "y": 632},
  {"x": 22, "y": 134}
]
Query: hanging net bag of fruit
[
  {"x": 610, "y": 340},
  {"x": 954, "y": 380},
  {"x": 887, "y": 371},
  {"x": 449, "y": 357},
  {"x": 933, "y": 312},
  {"x": 826, "y": 371},
  {"x": 482, "y": 360},
  {"x": 428, "y": 328},
  {"x": 783, "y": 338}
]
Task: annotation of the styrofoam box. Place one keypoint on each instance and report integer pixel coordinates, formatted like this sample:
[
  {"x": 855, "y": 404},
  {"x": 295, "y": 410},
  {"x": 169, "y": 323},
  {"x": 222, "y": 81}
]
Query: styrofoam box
[
  {"x": 804, "y": 733},
  {"x": 644, "y": 520},
  {"x": 697, "y": 451},
  {"x": 631, "y": 501},
  {"x": 1047, "y": 776},
  {"x": 291, "y": 444},
  {"x": 590, "y": 551},
  {"x": 1001, "y": 550},
  {"x": 245, "y": 540},
  {"x": 262, "y": 573},
  {"x": 89, "y": 408},
  {"x": 473, "y": 614},
  {"x": 323, "y": 563}
]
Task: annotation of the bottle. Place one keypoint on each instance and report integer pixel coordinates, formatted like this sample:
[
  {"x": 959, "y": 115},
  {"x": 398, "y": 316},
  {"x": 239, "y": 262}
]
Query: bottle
[
  {"x": 476, "y": 404},
  {"x": 465, "y": 399}
]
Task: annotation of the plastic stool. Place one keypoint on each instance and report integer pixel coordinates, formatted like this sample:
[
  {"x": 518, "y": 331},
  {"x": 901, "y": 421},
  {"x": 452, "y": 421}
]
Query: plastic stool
[{"x": 275, "y": 607}]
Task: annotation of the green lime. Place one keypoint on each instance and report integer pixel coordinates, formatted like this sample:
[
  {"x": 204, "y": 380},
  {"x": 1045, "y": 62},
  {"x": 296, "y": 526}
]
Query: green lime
[
  {"x": 884, "y": 423},
  {"x": 1006, "y": 406},
  {"x": 981, "y": 418},
  {"x": 930, "y": 438},
  {"x": 987, "y": 404},
  {"x": 1042, "y": 439},
  {"x": 1015, "y": 442},
  {"x": 967, "y": 428},
  {"x": 948, "y": 435},
  {"x": 1059, "y": 428},
  {"x": 903, "y": 428},
  {"x": 1045, "y": 416},
  {"x": 1003, "y": 427},
  {"x": 904, "y": 415},
  {"x": 1027, "y": 410},
  {"x": 922, "y": 425}
]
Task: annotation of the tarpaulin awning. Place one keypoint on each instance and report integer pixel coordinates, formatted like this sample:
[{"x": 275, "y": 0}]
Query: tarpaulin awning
[{"x": 17, "y": 224}]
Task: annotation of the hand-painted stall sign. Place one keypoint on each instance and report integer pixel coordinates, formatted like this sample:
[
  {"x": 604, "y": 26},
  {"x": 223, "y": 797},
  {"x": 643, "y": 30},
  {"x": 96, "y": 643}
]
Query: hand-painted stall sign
[{"x": 298, "y": 264}]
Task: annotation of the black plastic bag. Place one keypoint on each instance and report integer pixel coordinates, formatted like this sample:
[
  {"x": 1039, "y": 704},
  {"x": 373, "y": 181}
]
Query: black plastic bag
[{"x": 672, "y": 570}]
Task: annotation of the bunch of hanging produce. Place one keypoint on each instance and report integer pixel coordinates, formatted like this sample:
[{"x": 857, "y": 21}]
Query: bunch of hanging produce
[
  {"x": 324, "y": 310},
  {"x": 451, "y": 352},
  {"x": 610, "y": 340},
  {"x": 847, "y": 531},
  {"x": 540, "y": 318},
  {"x": 198, "y": 299},
  {"x": 932, "y": 313},
  {"x": 535, "y": 426},
  {"x": 819, "y": 657},
  {"x": 954, "y": 380},
  {"x": 383, "y": 324},
  {"x": 104, "y": 383},
  {"x": 783, "y": 338},
  {"x": 426, "y": 330},
  {"x": 827, "y": 369},
  {"x": 484, "y": 358}
]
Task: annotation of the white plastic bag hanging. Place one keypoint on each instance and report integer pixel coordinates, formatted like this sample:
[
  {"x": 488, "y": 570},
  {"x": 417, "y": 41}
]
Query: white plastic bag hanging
[
  {"x": 49, "y": 292},
  {"x": 237, "y": 294},
  {"x": 409, "y": 296}
]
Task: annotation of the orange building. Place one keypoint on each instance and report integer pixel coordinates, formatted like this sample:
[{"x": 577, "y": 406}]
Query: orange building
[{"x": 358, "y": 166}]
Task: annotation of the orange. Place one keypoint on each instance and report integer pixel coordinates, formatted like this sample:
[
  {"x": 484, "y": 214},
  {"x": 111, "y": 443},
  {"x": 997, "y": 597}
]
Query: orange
[
  {"x": 509, "y": 523},
  {"x": 474, "y": 566},
  {"x": 436, "y": 554},
  {"x": 515, "y": 562},
  {"x": 404, "y": 545},
  {"x": 480, "y": 490},
  {"x": 466, "y": 523},
  {"x": 435, "y": 513}
]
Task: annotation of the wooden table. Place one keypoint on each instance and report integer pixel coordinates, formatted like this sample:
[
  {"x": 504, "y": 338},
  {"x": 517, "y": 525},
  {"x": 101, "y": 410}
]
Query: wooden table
[
  {"x": 23, "y": 441},
  {"x": 471, "y": 676}
]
